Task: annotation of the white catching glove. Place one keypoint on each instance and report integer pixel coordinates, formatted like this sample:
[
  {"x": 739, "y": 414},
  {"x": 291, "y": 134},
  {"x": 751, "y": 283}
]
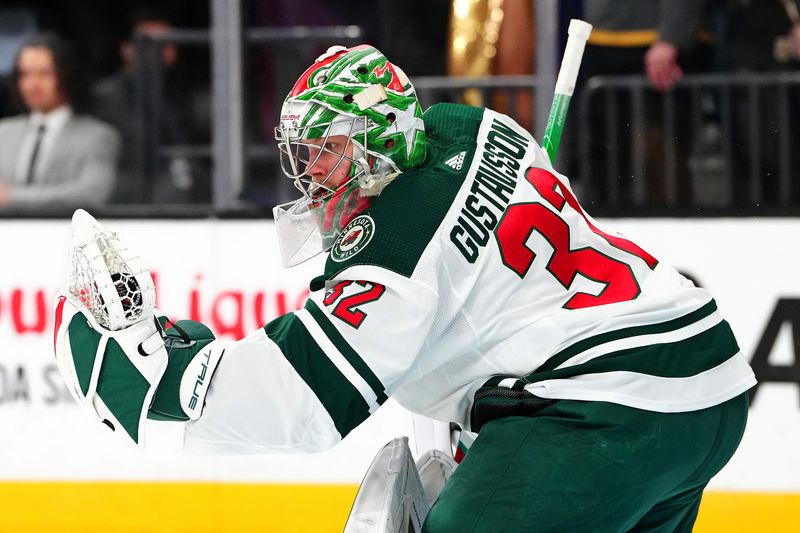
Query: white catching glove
[{"x": 110, "y": 346}]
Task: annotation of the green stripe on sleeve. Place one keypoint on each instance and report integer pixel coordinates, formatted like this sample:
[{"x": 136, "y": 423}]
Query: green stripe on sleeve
[
  {"x": 347, "y": 351},
  {"x": 344, "y": 403},
  {"x": 634, "y": 331}
]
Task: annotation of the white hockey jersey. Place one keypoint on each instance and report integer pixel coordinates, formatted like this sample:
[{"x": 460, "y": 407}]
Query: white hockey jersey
[{"x": 479, "y": 264}]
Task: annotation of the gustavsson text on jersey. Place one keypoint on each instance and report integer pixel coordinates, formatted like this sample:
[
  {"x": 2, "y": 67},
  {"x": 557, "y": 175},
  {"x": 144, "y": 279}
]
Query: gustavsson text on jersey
[{"x": 491, "y": 189}]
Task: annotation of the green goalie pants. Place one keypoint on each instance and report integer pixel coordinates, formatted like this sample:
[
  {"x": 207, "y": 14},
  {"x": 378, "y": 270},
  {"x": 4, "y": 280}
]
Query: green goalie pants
[{"x": 589, "y": 467}]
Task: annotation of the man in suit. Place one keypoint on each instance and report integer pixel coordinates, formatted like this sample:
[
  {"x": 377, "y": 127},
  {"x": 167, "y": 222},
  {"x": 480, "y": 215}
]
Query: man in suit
[{"x": 53, "y": 154}]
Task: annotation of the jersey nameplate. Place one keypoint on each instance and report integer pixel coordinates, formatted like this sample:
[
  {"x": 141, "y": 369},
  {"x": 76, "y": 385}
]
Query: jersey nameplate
[
  {"x": 501, "y": 152},
  {"x": 354, "y": 238}
]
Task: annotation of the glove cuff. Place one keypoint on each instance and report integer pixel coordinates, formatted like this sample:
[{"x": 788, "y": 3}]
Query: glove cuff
[
  {"x": 197, "y": 377},
  {"x": 194, "y": 354}
]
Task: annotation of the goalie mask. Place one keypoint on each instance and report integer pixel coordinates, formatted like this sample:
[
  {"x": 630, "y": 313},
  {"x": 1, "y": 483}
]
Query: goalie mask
[{"x": 350, "y": 125}]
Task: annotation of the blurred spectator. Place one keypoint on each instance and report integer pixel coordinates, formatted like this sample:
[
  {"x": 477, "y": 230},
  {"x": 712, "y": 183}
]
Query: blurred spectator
[
  {"x": 658, "y": 38},
  {"x": 53, "y": 153},
  {"x": 764, "y": 36},
  {"x": 145, "y": 174}
]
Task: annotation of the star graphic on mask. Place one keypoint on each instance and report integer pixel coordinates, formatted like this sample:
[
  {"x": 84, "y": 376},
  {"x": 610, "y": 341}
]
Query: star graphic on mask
[{"x": 405, "y": 121}]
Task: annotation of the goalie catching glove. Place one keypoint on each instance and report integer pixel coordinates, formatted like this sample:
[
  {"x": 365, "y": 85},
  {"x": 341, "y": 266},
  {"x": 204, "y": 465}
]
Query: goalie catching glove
[{"x": 117, "y": 357}]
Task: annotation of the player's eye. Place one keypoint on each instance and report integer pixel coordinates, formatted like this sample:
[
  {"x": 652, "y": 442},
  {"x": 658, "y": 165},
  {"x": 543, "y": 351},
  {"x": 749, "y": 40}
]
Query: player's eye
[{"x": 330, "y": 146}]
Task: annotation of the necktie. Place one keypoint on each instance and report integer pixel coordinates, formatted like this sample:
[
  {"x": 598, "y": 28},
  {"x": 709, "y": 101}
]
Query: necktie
[{"x": 34, "y": 155}]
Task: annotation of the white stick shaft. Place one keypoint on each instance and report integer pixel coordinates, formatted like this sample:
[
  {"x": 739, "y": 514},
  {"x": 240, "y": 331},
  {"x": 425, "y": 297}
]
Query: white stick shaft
[{"x": 570, "y": 64}]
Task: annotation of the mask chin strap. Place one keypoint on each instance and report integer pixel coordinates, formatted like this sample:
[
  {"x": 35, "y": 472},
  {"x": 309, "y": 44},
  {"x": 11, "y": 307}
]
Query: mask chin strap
[{"x": 372, "y": 184}]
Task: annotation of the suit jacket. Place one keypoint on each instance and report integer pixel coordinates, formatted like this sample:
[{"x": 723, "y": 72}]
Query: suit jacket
[{"x": 81, "y": 168}]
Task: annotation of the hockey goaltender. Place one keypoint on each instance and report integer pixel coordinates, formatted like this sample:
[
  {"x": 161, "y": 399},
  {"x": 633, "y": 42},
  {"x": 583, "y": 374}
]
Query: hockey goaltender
[{"x": 463, "y": 279}]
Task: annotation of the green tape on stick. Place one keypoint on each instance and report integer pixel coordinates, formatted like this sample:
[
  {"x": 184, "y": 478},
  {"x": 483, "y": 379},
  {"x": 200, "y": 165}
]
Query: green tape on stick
[{"x": 555, "y": 125}]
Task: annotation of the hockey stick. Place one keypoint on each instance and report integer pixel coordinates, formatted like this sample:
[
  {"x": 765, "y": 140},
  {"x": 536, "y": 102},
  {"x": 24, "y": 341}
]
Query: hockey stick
[{"x": 565, "y": 85}]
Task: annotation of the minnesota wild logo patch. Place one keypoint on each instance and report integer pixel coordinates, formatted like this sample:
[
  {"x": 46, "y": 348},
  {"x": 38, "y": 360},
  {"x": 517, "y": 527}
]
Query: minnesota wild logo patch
[{"x": 354, "y": 238}]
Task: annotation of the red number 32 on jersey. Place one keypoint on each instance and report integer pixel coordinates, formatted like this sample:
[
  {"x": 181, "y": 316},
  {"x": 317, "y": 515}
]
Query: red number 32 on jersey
[
  {"x": 346, "y": 308},
  {"x": 522, "y": 219}
]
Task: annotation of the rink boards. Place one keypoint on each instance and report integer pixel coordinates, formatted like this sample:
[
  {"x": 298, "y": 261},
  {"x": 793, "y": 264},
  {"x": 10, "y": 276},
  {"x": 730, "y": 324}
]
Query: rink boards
[{"x": 60, "y": 470}]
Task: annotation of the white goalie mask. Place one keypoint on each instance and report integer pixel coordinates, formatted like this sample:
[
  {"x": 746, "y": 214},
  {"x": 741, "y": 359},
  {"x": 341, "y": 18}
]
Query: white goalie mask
[
  {"x": 329, "y": 168},
  {"x": 350, "y": 125}
]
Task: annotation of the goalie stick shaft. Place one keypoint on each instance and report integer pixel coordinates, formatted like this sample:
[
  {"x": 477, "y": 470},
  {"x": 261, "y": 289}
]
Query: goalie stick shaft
[{"x": 565, "y": 85}]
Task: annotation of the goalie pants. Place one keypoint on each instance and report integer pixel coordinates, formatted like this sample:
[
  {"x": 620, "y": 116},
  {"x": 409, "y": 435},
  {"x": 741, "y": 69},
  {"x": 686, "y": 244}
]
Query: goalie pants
[{"x": 589, "y": 466}]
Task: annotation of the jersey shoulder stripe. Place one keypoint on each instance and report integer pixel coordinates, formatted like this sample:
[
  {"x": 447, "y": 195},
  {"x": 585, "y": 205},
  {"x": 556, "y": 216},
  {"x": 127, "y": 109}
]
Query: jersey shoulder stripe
[
  {"x": 344, "y": 402},
  {"x": 410, "y": 210}
]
